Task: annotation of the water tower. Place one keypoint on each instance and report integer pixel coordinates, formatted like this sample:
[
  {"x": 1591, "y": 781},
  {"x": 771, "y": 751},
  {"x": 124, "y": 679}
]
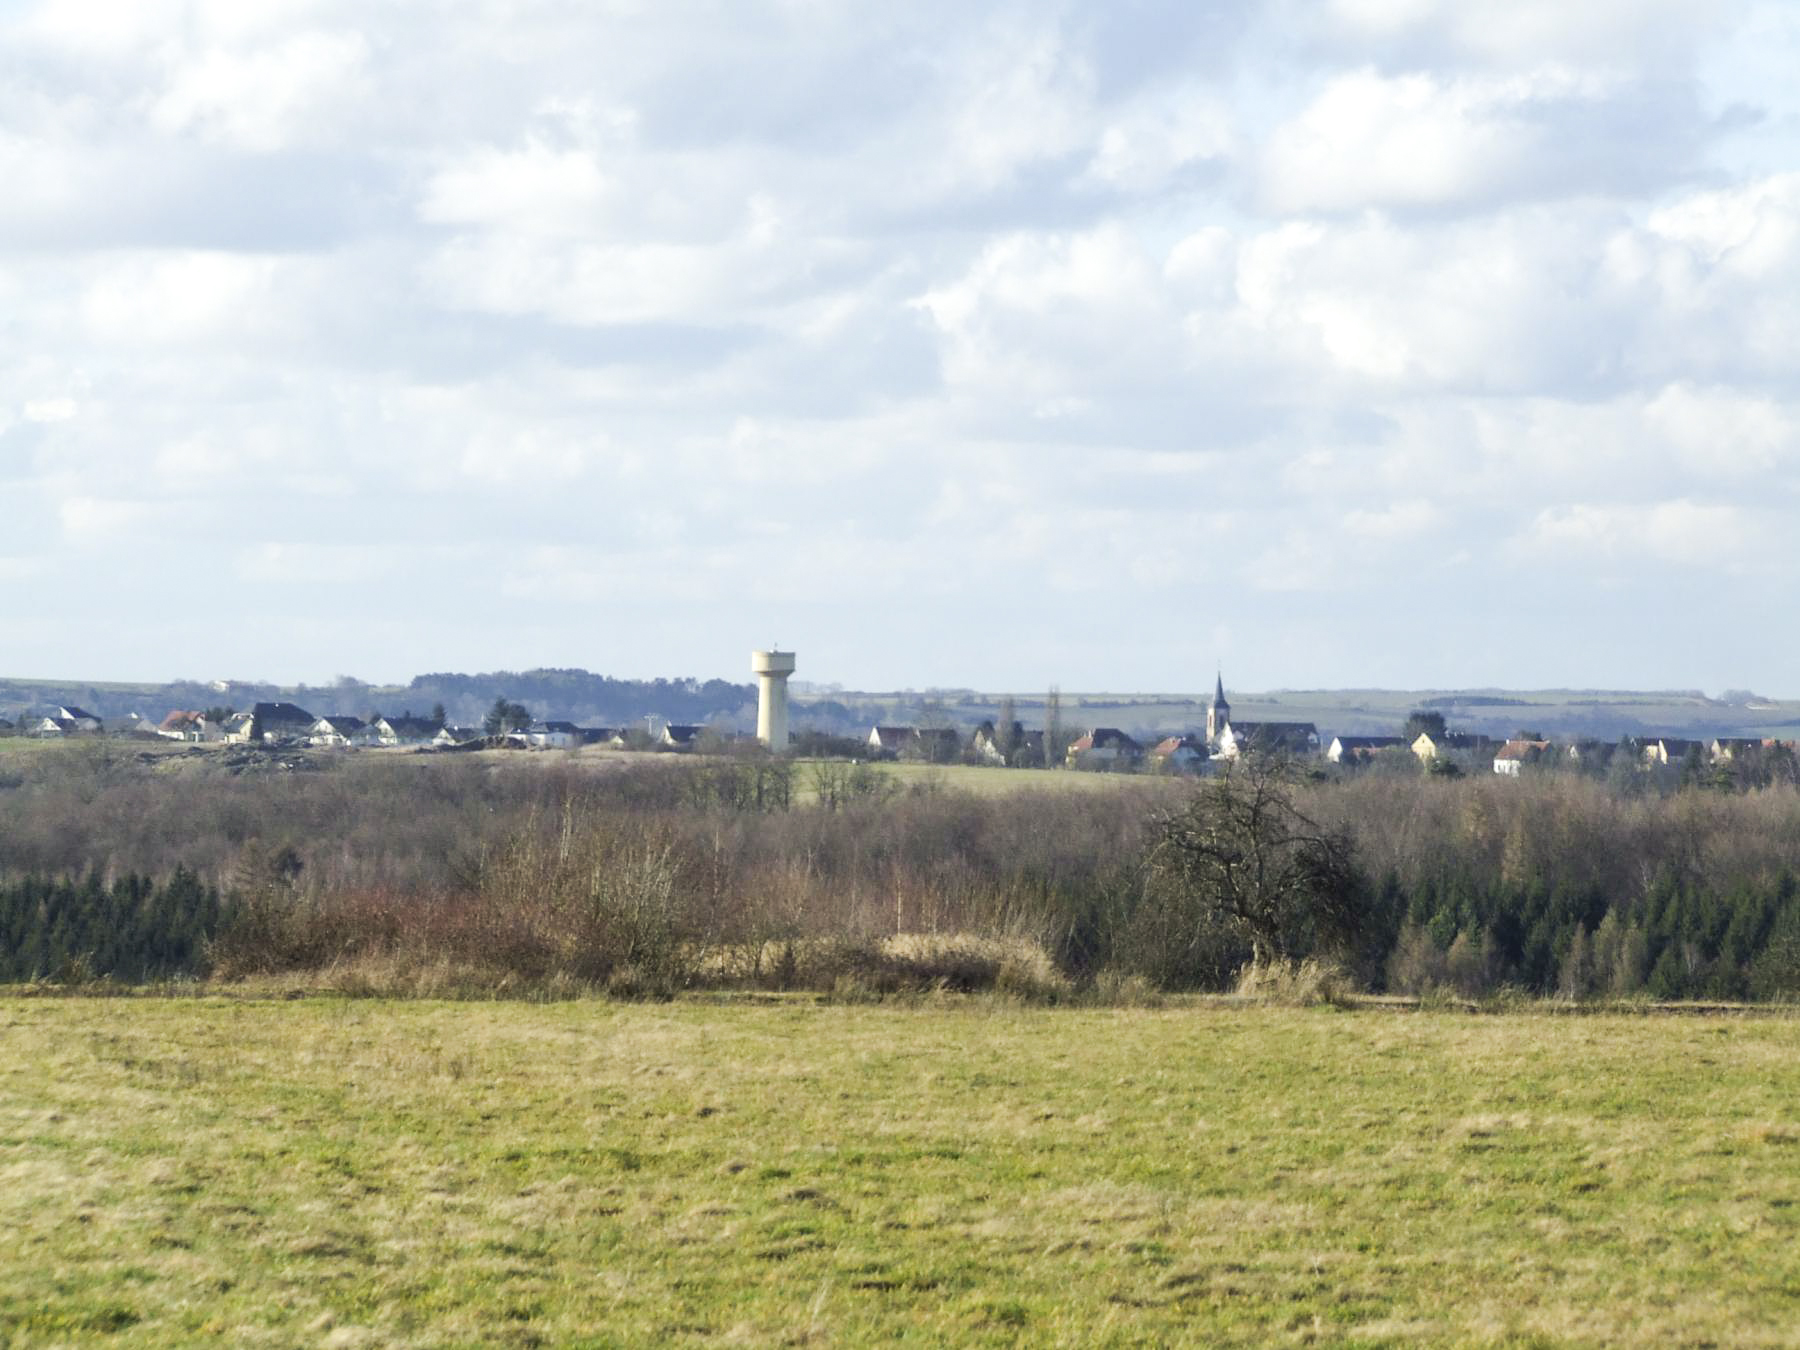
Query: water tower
[{"x": 772, "y": 669}]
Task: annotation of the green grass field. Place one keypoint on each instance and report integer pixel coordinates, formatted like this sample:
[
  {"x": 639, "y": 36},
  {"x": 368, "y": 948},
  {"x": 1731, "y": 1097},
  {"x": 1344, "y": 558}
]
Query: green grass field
[{"x": 366, "y": 1173}]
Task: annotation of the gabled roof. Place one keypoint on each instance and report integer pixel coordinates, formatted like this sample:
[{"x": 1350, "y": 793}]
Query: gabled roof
[
  {"x": 177, "y": 720},
  {"x": 342, "y": 723},
  {"x": 680, "y": 733},
  {"x": 987, "y": 731},
  {"x": 412, "y": 728},
  {"x": 1522, "y": 750},
  {"x": 890, "y": 738},
  {"x": 1168, "y": 745},
  {"x": 281, "y": 714},
  {"x": 74, "y": 714},
  {"x": 1370, "y": 742},
  {"x": 1455, "y": 740},
  {"x": 1272, "y": 731},
  {"x": 1105, "y": 738}
]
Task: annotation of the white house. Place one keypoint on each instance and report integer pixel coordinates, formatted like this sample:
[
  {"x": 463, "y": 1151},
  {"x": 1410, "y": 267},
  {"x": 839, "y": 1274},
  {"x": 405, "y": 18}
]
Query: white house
[
  {"x": 338, "y": 729},
  {"x": 553, "y": 735},
  {"x": 1515, "y": 754}
]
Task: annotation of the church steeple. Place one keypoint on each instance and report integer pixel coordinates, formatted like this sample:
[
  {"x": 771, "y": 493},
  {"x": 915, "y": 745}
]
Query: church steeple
[{"x": 1218, "y": 717}]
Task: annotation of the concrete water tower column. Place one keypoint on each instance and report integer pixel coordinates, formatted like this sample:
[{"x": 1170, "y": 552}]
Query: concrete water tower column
[{"x": 772, "y": 669}]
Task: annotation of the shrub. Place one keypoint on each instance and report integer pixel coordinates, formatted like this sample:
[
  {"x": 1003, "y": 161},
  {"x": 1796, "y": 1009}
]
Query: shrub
[{"x": 1296, "y": 984}]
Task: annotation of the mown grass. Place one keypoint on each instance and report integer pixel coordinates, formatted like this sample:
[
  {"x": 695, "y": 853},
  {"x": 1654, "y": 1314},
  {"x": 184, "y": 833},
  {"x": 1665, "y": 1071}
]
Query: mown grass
[{"x": 365, "y": 1172}]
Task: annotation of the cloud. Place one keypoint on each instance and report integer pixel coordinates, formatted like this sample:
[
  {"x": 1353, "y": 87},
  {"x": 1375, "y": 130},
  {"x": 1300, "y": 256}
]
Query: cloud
[
  {"x": 1423, "y": 140},
  {"x": 1706, "y": 536},
  {"x": 265, "y": 99},
  {"x": 1218, "y": 327}
]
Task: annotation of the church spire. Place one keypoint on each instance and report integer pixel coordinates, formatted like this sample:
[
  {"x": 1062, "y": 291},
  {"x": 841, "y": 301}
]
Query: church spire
[{"x": 1218, "y": 717}]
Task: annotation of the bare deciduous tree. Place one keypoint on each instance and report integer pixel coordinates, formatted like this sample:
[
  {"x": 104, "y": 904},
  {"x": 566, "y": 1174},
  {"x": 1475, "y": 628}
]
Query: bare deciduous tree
[{"x": 1242, "y": 854}]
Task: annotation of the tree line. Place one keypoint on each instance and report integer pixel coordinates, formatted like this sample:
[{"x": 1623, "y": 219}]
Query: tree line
[{"x": 1553, "y": 886}]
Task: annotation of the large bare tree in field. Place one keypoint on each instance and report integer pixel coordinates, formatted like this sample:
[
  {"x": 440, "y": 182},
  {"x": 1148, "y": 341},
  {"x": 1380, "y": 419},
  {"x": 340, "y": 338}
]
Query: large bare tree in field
[{"x": 1241, "y": 854}]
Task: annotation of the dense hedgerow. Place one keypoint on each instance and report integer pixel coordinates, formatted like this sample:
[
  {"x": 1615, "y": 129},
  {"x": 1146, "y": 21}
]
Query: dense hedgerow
[{"x": 665, "y": 873}]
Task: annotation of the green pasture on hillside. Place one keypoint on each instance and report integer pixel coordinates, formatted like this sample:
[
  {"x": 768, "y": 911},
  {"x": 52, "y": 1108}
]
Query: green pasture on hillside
[{"x": 332, "y": 1172}]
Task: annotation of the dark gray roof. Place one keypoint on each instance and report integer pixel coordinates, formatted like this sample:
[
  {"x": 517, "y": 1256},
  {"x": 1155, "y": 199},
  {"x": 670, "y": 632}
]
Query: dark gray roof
[{"x": 278, "y": 717}]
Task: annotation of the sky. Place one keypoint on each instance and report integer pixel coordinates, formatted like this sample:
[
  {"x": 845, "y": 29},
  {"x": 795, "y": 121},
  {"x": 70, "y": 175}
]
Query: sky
[{"x": 1400, "y": 343}]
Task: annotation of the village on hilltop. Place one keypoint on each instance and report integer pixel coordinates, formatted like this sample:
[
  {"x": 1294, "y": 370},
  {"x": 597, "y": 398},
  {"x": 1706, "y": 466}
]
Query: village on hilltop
[{"x": 1425, "y": 739}]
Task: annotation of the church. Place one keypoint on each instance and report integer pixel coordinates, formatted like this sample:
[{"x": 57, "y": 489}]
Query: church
[{"x": 1227, "y": 739}]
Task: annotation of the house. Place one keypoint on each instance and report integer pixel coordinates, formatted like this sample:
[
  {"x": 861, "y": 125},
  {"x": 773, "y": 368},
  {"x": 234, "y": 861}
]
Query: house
[
  {"x": 680, "y": 736},
  {"x": 448, "y": 736},
  {"x": 1268, "y": 738},
  {"x": 553, "y": 735},
  {"x": 1515, "y": 754},
  {"x": 1592, "y": 754},
  {"x": 238, "y": 728},
  {"x": 61, "y": 721},
  {"x": 273, "y": 723},
  {"x": 338, "y": 729},
  {"x": 1179, "y": 754},
  {"x": 613, "y": 736},
  {"x": 986, "y": 743},
  {"x": 888, "y": 742},
  {"x": 1727, "y": 748},
  {"x": 1359, "y": 749},
  {"x": 1428, "y": 747},
  {"x": 1670, "y": 749},
  {"x": 406, "y": 730},
  {"x": 934, "y": 745},
  {"x": 1104, "y": 747},
  {"x": 194, "y": 727}
]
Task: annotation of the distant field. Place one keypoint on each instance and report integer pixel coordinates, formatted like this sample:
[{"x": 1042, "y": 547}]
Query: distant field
[
  {"x": 330, "y": 1172},
  {"x": 978, "y": 779}
]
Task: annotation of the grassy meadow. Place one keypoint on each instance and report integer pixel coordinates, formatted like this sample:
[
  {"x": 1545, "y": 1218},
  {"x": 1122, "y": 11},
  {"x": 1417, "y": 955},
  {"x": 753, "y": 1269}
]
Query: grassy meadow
[{"x": 344, "y": 1172}]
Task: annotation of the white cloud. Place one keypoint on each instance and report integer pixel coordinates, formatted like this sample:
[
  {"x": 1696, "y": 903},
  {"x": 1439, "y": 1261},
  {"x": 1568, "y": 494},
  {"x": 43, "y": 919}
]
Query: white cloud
[
  {"x": 291, "y": 91},
  {"x": 1424, "y": 140},
  {"x": 1708, "y": 537},
  {"x": 539, "y": 189},
  {"x": 1604, "y": 32},
  {"x": 51, "y": 410},
  {"x": 1148, "y": 143},
  {"x": 658, "y": 317}
]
